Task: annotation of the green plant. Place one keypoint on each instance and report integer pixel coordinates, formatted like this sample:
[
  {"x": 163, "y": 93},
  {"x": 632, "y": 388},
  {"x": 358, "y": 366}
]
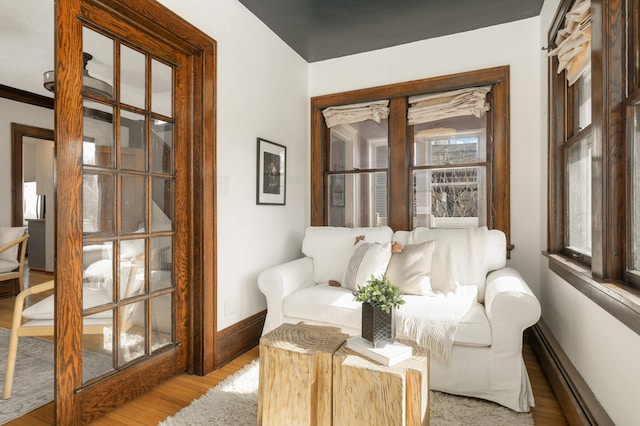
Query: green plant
[{"x": 379, "y": 292}]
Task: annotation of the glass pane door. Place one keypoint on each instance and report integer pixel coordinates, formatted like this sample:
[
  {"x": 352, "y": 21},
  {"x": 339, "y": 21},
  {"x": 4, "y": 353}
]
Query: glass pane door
[{"x": 128, "y": 181}]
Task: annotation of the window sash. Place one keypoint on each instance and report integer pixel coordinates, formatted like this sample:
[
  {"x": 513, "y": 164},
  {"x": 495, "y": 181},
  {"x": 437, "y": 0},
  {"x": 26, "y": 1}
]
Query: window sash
[
  {"x": 400, "y": 142},
  {"x": 633, "y": 257},
  {"x": 578, "y": 197}
]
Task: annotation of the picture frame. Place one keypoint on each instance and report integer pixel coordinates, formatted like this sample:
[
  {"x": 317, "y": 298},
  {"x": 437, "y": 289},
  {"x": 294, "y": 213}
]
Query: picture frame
[{"x": 271, "y": 173}]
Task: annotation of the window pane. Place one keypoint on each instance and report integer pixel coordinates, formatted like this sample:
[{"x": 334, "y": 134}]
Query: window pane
[
  {"x": 97, "y": 344},
  {"x": 161, "y": 147},
  {"x": 131, "y": 268},
  {"x": 98, "y": 203},
  {"x": 98, "y": 54},
  {"x": 132, "y": 141},
  {"x": 161, "y": 88},
  {"x": 358, "y": 146},
  {"x": 133, "y": 203},
  {"x": 583, "y": 104},
  {"x": 634, "y": 261},
  {"x": 97, "y": 274},
  {"x": 452, "y": 141},
  {"x": 358, "y": 199},
  {"x": 161, "y": 263},
  {"x": 132, "y": 77},
  {"x": 450, "y": 198},
  {"x": 579, "y": 197},
  {"x": 162, "y": 205},
  {"x": 132, "y": 332},
  {"x": 161, "y": 315},
  {"x": 97, "y": 129}
]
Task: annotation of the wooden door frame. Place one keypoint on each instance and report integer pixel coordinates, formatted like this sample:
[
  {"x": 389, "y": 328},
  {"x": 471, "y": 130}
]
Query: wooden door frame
[
  {"x": 18, "y": 133},
  {"x": 157, "y": 19}
]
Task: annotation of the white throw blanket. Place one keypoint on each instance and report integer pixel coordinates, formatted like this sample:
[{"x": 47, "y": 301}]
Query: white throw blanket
[{"x": 432, "y": 323}]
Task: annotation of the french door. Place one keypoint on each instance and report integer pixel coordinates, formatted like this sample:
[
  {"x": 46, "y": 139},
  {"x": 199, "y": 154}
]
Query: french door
[{"x": 132, "y": 160}]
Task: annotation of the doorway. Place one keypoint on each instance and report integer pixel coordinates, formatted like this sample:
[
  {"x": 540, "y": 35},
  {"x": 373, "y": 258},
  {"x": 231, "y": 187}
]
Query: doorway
[
  {"x": 136, "y": 158},
  {"x": 32, "y": 166}
]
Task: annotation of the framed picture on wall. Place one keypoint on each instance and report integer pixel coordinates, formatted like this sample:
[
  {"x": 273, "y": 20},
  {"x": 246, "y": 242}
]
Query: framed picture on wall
[{"x": 271, "y": 182}]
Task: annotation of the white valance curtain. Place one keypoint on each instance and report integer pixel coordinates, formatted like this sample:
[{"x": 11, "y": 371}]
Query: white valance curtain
[
  {"x": 573, "y": 42},
  {"x": 437, "y": 106},
  {"x": 356, "y": 113}
]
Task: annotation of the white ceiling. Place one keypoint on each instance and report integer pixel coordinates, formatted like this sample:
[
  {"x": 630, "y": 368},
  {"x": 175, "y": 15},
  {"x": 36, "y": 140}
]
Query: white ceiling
[
  {"x": 26, "y": 43},
  {"x": 27, "y": 46}
]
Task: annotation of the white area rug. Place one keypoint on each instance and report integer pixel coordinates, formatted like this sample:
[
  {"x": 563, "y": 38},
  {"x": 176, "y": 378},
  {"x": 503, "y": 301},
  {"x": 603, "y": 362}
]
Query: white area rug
[{"x": 234, "y": 402}]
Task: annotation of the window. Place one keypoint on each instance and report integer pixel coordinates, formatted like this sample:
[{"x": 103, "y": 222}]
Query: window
[
  {"x": 594, "y": 166},
  {"x": 357, "y": 174},
  {"x": 571, "y": 138},
  {"x": 449, "y": 173},
  {"x": 407, "y": 166},
  {"x": 632, "y": 261}
]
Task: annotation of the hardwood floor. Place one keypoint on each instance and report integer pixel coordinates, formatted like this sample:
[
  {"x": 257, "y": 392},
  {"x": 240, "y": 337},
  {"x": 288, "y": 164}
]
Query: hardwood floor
[{"x": 171, "y": 396}]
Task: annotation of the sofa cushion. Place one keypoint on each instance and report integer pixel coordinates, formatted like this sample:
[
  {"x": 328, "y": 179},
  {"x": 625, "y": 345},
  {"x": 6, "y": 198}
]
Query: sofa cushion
[
  {"x": 366, "y": 260},
  {"x": 334, "y": 305},
  {"x": 7, "y": 235},
  {"x": 460, "y": 256},
  {"x": 331, "y": 248},
  {"x": 6, "y": 266},
  {"x": 410, "y": 268}
]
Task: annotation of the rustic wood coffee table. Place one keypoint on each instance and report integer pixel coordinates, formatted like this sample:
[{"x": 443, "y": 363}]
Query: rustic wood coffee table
[
  {"x": 368, "y": 393},
  {"x": 296, "y": 364},
  {"x": 309, "y": 377}
]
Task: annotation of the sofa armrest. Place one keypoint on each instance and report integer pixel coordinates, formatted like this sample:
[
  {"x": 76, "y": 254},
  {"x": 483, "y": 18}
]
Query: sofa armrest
[
  {"x": 509, "y": 300},
  {"x": 279, "y": 281}
]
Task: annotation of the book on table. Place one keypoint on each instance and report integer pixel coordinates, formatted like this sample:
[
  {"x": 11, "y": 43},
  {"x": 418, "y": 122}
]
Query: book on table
[{"x": 390, "y": 354}]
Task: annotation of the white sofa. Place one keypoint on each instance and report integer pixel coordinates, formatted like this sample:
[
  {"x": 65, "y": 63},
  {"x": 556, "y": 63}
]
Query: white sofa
[{"x": 485, "y": 360}]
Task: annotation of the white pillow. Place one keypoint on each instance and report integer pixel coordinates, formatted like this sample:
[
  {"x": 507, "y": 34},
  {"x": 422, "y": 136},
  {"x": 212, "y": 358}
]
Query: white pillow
[
  {"x": 367, "y": 259},
  {"x": 7, "y": 235},
  {"x": 410, "y": 269}
]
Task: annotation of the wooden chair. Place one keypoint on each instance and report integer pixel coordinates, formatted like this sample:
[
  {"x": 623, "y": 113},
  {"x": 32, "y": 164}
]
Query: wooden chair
[
  {"x": 14, "y": 269},
  {"x": 42, "y": 324}
]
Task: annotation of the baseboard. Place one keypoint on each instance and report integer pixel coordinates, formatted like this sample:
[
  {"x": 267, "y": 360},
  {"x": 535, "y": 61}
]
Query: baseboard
[
  {"x": 578, "y": 403},
  {"x": 239, "y": 338}
]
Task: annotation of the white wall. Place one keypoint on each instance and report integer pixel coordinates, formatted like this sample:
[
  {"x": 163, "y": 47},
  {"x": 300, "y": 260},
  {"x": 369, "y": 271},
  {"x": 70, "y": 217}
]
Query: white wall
[
  {"x": 15, "y": 112},
  {"x": 262, "y": 92},
  {"x": 514, "y": 44},
  {"x": 604, "y": 351}
]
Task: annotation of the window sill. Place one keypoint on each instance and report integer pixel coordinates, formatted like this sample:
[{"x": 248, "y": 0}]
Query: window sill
[{"x": 622, "y": 302}]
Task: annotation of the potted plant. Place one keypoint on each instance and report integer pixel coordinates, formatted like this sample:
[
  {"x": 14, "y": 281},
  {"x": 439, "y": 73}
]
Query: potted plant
[{"x": 379, "y": 297}]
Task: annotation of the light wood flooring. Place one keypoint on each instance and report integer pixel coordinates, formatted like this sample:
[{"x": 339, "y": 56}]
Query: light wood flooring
[{"x": 178, "y": 392}]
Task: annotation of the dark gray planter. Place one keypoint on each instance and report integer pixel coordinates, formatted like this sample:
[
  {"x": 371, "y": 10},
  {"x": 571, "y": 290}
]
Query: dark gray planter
[{"x": 378, "y": 327}]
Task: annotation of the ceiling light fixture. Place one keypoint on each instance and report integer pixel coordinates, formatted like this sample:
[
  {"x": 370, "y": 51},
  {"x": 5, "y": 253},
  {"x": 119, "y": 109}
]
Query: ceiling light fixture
[{"x": 89, "y": 84}]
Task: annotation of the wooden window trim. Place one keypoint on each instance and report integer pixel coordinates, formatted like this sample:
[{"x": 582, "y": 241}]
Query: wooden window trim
[
  {"x": 607, "y": 138},
  {"x": 605, "y": 283},
  {"x": 400, "y": 157}
]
